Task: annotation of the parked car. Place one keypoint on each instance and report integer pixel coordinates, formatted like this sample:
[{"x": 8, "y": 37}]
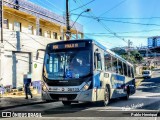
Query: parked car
[{"x": 146, "y": 73}]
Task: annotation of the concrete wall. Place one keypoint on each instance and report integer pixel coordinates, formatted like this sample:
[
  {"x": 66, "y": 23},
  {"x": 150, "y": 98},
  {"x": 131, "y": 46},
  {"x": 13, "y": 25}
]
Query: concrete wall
[{"x": 15, "y": 57}]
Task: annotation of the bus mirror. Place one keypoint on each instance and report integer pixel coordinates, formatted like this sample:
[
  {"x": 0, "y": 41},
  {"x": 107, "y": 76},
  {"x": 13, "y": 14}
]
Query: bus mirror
[
  {"x": 37, "y": 55},
  {"x": 98, "y": 56},
  {"x": 47, "y": 61}
]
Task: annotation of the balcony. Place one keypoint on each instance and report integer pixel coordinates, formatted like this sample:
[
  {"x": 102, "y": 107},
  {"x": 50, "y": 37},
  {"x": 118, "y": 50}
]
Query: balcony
[{"x": 40, "y": 12}]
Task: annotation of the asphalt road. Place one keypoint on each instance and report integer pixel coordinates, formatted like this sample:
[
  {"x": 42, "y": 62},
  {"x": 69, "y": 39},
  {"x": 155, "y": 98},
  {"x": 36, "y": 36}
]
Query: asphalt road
[{"x": 146, "y": 98}]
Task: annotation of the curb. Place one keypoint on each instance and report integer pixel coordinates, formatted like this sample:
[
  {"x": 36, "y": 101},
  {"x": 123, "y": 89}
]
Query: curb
[
  {"x": 14, "y": 106},
  {"x": 18, "y": 96},
  {"x": 139, "y": 82}
]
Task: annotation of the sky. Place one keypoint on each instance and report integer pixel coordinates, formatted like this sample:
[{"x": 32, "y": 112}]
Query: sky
[{"x": 112, "y": 22}]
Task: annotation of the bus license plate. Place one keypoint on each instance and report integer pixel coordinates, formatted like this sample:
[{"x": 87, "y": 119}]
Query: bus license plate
[{"x": 63, "y": 99}]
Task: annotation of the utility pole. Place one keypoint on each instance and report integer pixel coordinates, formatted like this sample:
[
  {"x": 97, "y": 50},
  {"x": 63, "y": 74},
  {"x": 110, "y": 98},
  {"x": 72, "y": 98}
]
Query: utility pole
[
  {"x": 68, "y": 33},
  {"x": 1, "y": 44},
  {"x": 129, "y": 45}
]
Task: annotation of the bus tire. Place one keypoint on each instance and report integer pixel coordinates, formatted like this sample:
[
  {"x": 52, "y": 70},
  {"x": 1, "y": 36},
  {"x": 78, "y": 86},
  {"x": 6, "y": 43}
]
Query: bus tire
[
  {"x": 127, "y": 96},
  {"x": 66, "y": 103},
  {"x": 106, "y": 96}
]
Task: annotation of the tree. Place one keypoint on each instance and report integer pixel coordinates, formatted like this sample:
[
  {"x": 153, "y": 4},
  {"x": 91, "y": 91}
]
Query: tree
[{"x": 134, "y": 57}]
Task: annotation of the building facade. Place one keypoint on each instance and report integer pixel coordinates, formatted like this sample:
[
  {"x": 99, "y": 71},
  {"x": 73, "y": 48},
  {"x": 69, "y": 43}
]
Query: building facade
[
  {"x": 154, "y": 42},
  {"x": 26, "y": 28}
]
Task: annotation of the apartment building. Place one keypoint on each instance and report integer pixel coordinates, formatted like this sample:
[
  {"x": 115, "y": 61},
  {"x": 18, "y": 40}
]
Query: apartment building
[{"x": 28, "y": 27}]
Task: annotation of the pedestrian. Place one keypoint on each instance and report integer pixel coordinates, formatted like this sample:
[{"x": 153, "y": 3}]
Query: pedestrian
[{"x": 27, "y": 89}]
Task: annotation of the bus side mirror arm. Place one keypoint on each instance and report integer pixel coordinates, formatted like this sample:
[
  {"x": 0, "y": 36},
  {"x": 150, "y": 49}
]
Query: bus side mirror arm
[{"x": 37, "y": 53}]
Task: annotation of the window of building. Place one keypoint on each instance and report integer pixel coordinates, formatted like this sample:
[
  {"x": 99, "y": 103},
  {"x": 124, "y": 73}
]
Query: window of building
[
  {"x": 60, "y": 37},
  {"x": 54, "y": 35},
  {"x": 5, "y": 24},
  {"x": 48, "y": 34},
  {"x": 17, "y": 26},
  {"x": 30, "y": 29},
  {"x": 40, "y": 31}
]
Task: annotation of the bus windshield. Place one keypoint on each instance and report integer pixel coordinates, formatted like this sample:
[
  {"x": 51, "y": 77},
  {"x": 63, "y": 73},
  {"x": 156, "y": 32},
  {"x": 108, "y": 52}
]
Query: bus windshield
[{"x": 67, "y": 65}]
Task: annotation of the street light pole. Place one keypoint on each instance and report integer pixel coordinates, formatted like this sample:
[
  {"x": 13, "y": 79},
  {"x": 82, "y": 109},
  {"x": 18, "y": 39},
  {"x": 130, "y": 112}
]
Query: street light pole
[
  {"x": 68, "y": 28},
  {"x": 87, "y": 10},
  {"x": 67, "y": 21},
  {"x": 129, "y": 45}
]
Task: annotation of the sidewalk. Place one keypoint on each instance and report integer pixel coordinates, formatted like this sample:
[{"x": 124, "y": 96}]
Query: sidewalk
[
  {"x": 138, "y": 80},
  {"x": 17, "y": 101}
]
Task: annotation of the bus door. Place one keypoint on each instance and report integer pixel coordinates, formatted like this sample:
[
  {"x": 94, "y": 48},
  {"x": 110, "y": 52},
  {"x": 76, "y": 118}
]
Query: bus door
[{"x": 98, "y": 74}]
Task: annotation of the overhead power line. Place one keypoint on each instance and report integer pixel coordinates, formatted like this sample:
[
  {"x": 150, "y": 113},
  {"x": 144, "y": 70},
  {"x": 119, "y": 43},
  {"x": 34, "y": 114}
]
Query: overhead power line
[
  {"x": 82, "y": 5},
  {"x": 54, "y": 6},
  {"x": 112, "y": 8},
  {"x": 128, "y": 18},
  {"x": 120, "y": 36},
  {"x": 118, "y": 21},
  {"x": 125, "y": 32}
]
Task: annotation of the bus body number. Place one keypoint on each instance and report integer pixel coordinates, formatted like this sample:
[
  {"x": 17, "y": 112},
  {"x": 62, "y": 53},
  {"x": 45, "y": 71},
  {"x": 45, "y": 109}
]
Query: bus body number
[{"x": 73, "y": 89}]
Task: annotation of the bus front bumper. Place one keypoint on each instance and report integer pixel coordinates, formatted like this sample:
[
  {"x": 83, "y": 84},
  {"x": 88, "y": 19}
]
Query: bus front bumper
[{"x": 87, "y": 95}]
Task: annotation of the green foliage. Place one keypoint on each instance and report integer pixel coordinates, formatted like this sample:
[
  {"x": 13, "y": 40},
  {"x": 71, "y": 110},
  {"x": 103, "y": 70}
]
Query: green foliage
[
  {"x": 152, "y": 67},
  {"x": 134, "y": 57}
]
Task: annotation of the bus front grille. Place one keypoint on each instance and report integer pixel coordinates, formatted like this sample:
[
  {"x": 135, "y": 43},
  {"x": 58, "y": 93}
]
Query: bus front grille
[{"x": 68, "y": 96}]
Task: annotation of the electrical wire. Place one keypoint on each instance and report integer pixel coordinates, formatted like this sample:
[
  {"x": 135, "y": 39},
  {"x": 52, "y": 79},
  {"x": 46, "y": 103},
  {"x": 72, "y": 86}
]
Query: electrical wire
[
  {"x": 125, "y": 18},
  {"x": 112, "y": 8},
  {"x": 125, "y": 32},
  {"x": 82, "y": 5},
  {"x": 118, "y": 21},
  {"x": 130, "y": 22},
  {"x": 55, "y": 6},
  {"x": 106, "y": 28}
]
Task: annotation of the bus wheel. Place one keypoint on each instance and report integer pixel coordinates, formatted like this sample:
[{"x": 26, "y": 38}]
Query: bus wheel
[
  {"x": 66, "y": 102},
  {"x": 127, "y": 96},
  {"x": 106, "y": 97}
]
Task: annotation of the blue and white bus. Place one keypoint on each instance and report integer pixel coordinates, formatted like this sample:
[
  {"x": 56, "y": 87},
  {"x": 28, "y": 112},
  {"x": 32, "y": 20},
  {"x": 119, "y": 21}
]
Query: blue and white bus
[{"x": 85, "y": 70}]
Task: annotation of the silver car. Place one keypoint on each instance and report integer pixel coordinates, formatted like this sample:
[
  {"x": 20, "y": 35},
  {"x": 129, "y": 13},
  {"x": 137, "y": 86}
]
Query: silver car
[{"x": 146, "y": 73}]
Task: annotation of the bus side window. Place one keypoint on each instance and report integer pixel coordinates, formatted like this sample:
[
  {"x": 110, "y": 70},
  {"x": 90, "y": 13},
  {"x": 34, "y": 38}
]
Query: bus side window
[
  {"x": 125, "y": 69},
  {"x": 95, "y": 61},
  {"x": 107, "y": 62},
  {"x": 98, "y": 62},
  {"x": 129, "y": 71},
  {"x": 132, "y": 72}
]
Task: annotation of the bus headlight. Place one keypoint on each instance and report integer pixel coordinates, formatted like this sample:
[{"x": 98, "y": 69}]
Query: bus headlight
[
  {"x": 86, "y": 86},
  {"x": 44, "y": 88}
]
